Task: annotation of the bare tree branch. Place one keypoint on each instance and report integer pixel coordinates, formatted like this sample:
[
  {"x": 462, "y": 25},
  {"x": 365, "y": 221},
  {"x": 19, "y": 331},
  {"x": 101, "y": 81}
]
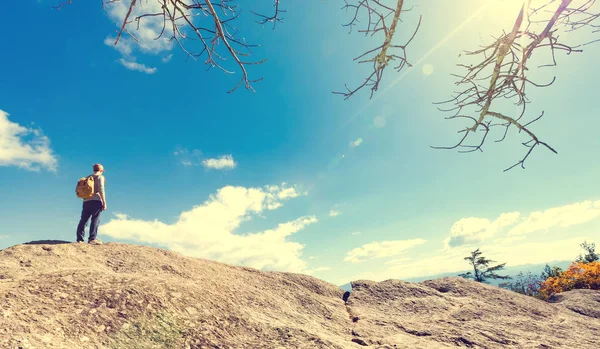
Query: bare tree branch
[
  {"x": 210, "y": 21},
  {"x": 274, "y": 18},
  {"x": 499, "y": 77},
  {"x": 378, "y": 21},
  {"x": 503, "y": 65},
  {"x": 125, "y": 21}
]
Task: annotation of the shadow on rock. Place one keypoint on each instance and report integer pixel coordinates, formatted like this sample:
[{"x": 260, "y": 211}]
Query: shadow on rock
[{"x": 48, "y": 242}]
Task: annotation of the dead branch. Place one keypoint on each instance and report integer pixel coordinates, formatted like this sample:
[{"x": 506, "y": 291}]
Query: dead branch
[
  {"x": 504, "y": 66},
  {"x": 276, "y": 17},
  {"x": 383, "y": 20},
  {"x": 60, "y": 6},
  {"x": 208, "y": 22},
  {"x": 501, "y": 71}
]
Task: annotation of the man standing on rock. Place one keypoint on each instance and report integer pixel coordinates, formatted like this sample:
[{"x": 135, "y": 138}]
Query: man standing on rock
[{"x": 93, "y": 207}]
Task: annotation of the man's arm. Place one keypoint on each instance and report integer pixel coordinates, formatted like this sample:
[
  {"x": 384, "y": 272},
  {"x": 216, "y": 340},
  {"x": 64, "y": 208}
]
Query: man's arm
[{"x": 102, "y": 194}]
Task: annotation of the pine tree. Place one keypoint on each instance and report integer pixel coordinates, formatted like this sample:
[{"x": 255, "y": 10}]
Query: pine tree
[
  {"x": 591, "y": 255},
  {"x": 481, "y": 269}
]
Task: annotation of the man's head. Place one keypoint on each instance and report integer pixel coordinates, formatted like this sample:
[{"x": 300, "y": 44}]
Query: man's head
[{"x": 98, "y": 168}]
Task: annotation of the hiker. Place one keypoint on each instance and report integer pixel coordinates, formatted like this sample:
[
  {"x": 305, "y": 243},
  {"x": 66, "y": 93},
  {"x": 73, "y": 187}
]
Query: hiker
[{"x": 91, "y": 190}]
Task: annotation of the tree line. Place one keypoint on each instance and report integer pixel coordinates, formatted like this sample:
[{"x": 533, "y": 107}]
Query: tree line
[{"x": 583, "y": 273}]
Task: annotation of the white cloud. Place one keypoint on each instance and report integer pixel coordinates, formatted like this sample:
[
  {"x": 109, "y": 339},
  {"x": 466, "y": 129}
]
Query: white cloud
[
  {"x": 452, "y": 261},
  {"x": 4, "y": 237},
  {"x": 356, "y": 233},
  {"x": 563, "y": 217},
  {"x": 24, "y": 147},
  {"x": 356, "y": 143},
  {"x": 224, "y": 162},
  {"x": 312, "y": 257},
  {"x": 508, "y": 239},
  {"x": 283, "y": 194},
  {"x": 381, "y": 249},
  {"x": 167, "y": 58},
  {"x": 137, "y": 66},
  {"x": 334, "y": 213},
  {"x": 473, "y": 230},
  {"x": 187, "y": 157},
  {"x": 124, "y": 47},
  {"x": 208, "y": 230}
]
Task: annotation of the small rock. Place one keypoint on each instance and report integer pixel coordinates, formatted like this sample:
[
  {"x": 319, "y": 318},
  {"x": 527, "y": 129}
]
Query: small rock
[{"x": 360, "y": 341}]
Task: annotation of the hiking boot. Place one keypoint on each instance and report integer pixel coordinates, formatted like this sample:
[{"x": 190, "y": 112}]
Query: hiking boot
[
  {"x": 95, "y": 242},
  {"x": 80, "y": 242}
]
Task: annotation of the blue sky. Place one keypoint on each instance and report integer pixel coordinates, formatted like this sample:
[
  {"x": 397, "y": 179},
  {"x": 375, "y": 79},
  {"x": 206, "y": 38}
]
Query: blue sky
[{"x": 291, "y": 177}]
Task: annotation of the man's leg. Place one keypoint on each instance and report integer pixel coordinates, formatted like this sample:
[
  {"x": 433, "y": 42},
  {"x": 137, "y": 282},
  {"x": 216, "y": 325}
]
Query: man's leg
[
  {"x": 85, "y": 216},
  {"x": 96, "y": 210}
]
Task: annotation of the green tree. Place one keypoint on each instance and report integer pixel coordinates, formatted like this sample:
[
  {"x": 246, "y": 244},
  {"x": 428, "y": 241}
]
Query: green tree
[
  {"x": 527, "y": 284},
  {"x": 481, "y": 269},
  {"x": 590, "y": 253},
  {"x": 551, "y": 272}
]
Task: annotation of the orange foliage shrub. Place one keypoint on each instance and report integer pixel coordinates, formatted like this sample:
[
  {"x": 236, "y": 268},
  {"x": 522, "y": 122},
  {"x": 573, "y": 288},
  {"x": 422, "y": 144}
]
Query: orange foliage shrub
[{"x": 578, "y": 276}]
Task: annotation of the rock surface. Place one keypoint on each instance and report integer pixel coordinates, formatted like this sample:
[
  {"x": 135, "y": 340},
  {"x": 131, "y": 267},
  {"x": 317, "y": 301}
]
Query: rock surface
[{"x": 129, "y": 296}]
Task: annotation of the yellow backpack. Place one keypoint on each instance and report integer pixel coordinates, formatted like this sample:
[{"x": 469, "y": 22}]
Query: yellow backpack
[{"x": 85, "y": 187}]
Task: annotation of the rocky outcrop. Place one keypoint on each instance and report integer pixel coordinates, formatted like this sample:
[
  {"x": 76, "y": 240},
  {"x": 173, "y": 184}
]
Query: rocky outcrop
[{"x": 129, "y": 296}]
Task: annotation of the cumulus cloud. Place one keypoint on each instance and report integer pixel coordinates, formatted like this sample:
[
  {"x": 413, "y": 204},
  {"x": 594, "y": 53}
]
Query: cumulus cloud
[
  {"x": 167, "y": 58},
  {"x": 208, "y": 230},
  {"x": 563, "y": 217},
  {"x": 224, "y": 162},
  {"x": 131, "y": 65},
  {"x": 334, "y": 213},
  {"x": 452, "y": 260},
  {"x": 473, "y": 230},
  {"x": 356, "y": 143},
  {"x": 509, "y": 238},
  {"x": 24, "y": 147},
  {"x": 381, "y": 249}
]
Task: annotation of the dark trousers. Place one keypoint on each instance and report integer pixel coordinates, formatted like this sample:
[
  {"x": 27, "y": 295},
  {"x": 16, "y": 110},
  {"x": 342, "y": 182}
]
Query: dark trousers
[{"x": 92, "y": 208}]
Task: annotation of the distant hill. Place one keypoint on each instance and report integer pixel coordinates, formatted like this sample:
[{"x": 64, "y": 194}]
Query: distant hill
[
  {"x": 134, "y": 297},
  {"x": 510, "y": 271}
]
